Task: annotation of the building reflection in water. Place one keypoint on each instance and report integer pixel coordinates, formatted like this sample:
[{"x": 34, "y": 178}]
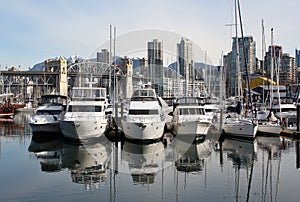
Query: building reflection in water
[{"x": 144, "y": 160}]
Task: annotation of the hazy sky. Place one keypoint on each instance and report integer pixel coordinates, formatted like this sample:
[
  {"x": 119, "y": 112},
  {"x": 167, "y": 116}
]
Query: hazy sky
[{"x": 35, "y": 30}]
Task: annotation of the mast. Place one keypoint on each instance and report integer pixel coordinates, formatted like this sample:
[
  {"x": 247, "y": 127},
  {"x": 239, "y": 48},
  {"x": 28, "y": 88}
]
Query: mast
[
  {"x": 272, "y": 69},
  {"x": 263, "y": 44},
  {"x": 245, "y": 59},
  {"x": 237, "y": 59},
  {"x": 110, "y": 63}
]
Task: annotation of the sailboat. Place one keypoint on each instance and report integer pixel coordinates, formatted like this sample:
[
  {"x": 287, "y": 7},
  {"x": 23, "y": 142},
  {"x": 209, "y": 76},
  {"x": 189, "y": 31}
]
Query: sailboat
[
  {"x": 268, "y": 124},
  {"x": 238, "y": 125}
]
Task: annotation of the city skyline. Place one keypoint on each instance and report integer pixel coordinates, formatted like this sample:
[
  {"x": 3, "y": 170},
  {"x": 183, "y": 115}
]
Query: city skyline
[{"x": 33, "y": 31}]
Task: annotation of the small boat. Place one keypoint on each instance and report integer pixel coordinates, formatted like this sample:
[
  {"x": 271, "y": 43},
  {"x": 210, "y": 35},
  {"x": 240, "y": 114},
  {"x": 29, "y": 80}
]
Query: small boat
[
  {"x": 48, "y": 115},
  {"x": 190, "y": 118},
  {"x": 268, "y": 124},
  {"x": 7, "y": 108},
  {"x": 85, "y": 116},
  {"x": 145, "y": 118},
  {"x": 240, "y": 127}
]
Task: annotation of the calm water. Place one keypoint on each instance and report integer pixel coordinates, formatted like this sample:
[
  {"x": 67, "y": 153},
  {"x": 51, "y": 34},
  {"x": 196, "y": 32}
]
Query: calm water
[{"x": 100, "y": 170}]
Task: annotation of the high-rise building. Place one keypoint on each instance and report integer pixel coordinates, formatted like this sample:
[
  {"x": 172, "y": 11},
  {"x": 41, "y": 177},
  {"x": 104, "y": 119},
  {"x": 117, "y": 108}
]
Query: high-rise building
[
  {"x": 297, "y": 56},
  {"x": 249, "y": 52},
  {"x": 186, "y": 62},
  {"x": 246, "y": 53},
  {"x": 272, "y": 61},
  {"x": 103, "y": 56},
  {"x": 287, "y": 74},
  {"x": 140, "y": 66},
  {"x": 155, "y": 59}
]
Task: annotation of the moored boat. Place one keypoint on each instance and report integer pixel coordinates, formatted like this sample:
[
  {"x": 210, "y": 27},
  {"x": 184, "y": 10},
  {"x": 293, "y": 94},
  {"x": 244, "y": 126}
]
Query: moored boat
[
  {"x": 48, "y": 115},
  {"x": 85, "y": 116},
  {"x": 145, "y": 118}
]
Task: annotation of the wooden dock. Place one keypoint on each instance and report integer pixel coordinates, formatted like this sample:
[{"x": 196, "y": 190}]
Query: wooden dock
[{"x": 290, "y": 134}]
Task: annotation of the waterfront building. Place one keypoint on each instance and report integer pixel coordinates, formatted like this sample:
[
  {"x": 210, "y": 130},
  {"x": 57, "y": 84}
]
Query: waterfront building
[
  {"x": 246, "y": 47},
  {"x": 103, "y": 56},
  {"x": 140, "y": 66},
  {"x": 186, "y": 63},
  {"x": 287, "y": 74},
  {"x": 155, "y": 60}
]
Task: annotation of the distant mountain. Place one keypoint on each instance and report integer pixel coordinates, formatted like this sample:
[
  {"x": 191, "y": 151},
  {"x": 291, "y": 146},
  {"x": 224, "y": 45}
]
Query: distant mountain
[{"x": 72, "y": 59}]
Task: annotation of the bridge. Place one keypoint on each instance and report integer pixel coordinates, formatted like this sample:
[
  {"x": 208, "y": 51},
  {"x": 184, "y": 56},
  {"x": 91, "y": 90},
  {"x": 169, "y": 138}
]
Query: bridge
[{"x": 33, "y": 84}]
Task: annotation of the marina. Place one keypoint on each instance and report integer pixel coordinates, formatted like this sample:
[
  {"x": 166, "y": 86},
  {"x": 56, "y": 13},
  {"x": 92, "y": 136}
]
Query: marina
[
  {"x": 147, "y": 115},
  {"x": 173, "y": 169}
]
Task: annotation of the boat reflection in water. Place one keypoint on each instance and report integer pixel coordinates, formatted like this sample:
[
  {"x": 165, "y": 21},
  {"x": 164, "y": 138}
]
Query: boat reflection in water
[
  {"x": 242, "y": 153},
  {"x": 88, "y": 162},
  {"x": 190, "y": 153},
  {"x": 48, "y": 153},
  {"x": 144, "y": 160},
  {"x": 273, "y": 145}
]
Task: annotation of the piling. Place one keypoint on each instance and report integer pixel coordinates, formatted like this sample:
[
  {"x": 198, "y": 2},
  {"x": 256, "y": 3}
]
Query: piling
[{"x": 298, "y": 117}]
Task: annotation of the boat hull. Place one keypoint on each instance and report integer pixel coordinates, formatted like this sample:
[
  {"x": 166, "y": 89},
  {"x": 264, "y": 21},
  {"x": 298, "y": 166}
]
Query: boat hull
[
  {"x": 240, "y": 129},
  {"x": 143, "y": 131},
  {"x": 83, "y": 129},
  {"x": 7, "y": 115},
  {"x": 269, "y": 128},
  {"x": 198, "y": 128},
  {"x": 45, "y": 127}
]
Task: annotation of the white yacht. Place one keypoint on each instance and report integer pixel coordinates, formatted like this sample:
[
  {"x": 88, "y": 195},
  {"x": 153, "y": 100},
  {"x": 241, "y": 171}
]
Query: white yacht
[
  {"x": 85, "y": 116},
  {"x": 145, "y": 118},
  {"x": 48, "y": 114},
  {"x": 189, "y": 117}
]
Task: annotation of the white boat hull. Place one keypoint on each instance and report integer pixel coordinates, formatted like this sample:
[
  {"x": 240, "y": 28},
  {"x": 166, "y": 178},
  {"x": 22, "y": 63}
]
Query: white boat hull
[
  {"x": 143, "y": 130},
  {"x": 45, "y": 127},
  {"x": 198, "y": 128},
  {"x": 269, "y": 128},
  {"x": 83, "y": 129},
  {"x": 240, "y": 129}
]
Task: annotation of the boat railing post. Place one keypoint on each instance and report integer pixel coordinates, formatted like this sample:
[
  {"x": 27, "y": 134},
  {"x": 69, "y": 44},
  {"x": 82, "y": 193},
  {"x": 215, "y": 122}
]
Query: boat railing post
[{"x": 298, "y": 117}]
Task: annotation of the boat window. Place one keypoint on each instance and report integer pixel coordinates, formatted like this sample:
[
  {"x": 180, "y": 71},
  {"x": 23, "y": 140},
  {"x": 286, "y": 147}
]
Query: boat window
[
  {"x": 48, "y": 112},
  {"x": 193, "y": 111},
  {"x": 143, "y": 111},
  {"x": 184, "y": 111},
  {"x": 80, "y": 108}
]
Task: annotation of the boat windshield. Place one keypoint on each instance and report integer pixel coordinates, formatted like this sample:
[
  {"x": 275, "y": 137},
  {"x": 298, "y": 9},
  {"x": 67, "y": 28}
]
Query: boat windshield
[
  {"x": 89, "y": 93},
  {"x": 143, "y": 111},
  {"x": 191, "y": 111},
  {"x": 144, "y": 93},
  {"x": 81, "y": 108},
  {"x": 48, "y": 112}
]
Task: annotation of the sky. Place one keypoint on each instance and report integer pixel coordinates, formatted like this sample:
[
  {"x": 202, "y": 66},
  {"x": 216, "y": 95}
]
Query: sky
[{"x": 35, "y": 30}]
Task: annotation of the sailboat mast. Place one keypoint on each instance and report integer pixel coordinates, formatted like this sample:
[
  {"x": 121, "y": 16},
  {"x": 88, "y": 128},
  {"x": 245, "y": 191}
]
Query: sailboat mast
[
  {"x": 263, "y": 44},
  {"x": 245, "y": 58},
  {"x": 272, "y": 69},
  {"x": 237, "y": 59}
]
